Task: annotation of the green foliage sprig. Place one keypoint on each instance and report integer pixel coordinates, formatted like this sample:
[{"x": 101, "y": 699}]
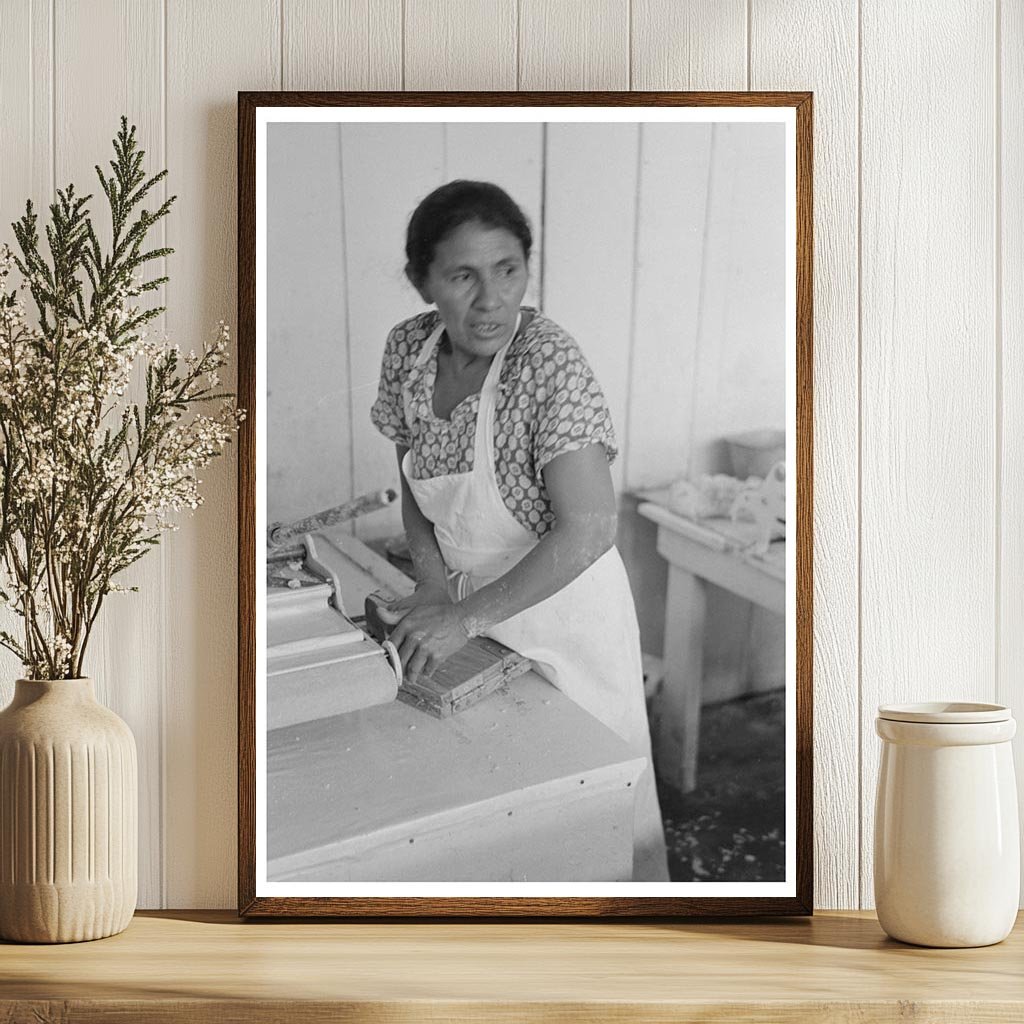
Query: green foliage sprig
[{"x": 88, "y": 477}]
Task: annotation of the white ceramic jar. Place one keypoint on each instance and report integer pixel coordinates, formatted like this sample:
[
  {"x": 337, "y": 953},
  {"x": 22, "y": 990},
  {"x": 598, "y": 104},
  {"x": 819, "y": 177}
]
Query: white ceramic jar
[{"x": 947, "y": 847}]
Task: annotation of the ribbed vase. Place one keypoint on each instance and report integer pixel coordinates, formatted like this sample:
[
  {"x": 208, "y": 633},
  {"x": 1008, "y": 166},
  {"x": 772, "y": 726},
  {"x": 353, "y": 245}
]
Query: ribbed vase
[{"x": 68, "y": 815}]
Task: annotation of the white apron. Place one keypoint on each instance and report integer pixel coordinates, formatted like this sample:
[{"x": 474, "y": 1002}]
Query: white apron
[{"x": 584, "y": 639}]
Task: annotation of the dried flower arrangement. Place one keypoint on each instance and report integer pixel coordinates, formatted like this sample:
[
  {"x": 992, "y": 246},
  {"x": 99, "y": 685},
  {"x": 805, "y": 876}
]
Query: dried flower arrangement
[{"x": 89, "y": 477}]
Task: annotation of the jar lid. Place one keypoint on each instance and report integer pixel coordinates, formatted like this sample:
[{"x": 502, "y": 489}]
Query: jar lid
[{"x": 945, "y": 712}]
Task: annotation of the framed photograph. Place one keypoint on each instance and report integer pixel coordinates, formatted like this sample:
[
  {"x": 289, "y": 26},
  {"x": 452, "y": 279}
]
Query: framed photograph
[{"x": 525, "y": 499}]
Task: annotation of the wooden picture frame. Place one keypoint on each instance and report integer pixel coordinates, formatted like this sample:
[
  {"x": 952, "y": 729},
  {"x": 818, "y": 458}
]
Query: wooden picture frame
[{"x": 256, "y": 896}]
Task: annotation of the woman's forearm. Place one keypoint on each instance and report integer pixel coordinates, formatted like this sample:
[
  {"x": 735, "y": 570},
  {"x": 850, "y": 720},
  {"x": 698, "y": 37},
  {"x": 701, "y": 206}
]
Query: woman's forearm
[
  {"x": 428, "y": 564},
  {"x": 558, "y": 558}
]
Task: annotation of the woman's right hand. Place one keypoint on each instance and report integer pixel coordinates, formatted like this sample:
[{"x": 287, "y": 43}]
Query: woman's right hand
[{"x": 426, "y": 627}]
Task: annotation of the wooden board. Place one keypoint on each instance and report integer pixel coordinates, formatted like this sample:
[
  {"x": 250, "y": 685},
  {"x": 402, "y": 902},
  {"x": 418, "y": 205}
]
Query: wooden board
[
  {"x": 211, "y": 51},
  {"x": 699, "y": 44},
  {"x": 670, "y": 241},
  {"x": 209, "y": 968},
  {"x": 345, "y": 45},
  {"x": 342, "y": 790},
  {"x": 309, "y": 459},
  {"x": 468, "y": 45},
  {"x": 460, "y": 681},
  {"x": 127, "y": 81},
  {"x": 573, "y": 44},
  {"x": 318, "y": 662},
  {"x": 739, "y": 378},
  {"x": 929, "y": 556},
  {"x": 465, "y": 678},
  {"x": 379, "y": 295},
  {"x": 717, "y": 534},
  {"x": 814, "y": 45},
  {"x": 357, "y": 677},
  {"x": 595, "y": 307},
  {"x": 1009, "y": 679}
]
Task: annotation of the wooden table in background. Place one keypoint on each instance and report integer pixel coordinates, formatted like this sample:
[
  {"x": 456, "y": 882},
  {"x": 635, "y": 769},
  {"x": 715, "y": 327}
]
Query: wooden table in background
[
  {"x": 200, "y": 967},
  {"x": 711, "y": 551}
]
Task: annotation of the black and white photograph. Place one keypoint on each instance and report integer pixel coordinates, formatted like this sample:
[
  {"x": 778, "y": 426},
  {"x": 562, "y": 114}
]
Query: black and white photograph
[{"x": 525, "y": 502}]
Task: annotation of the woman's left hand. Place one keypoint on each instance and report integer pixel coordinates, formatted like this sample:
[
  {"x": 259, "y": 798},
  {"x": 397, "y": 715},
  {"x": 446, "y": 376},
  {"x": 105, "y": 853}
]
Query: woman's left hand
[{"x": 425, "y": 635}]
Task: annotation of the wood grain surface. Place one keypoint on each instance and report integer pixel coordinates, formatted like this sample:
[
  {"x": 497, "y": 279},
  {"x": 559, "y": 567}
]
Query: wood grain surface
[
  {"x": 348, "y": 44},
  {"x": 928, "y": 558},
  {"x": 208, "y": 966},
  {"x": 469, "y": 45},
  {"x": 699, "y": 44},
  {"x": 227, "y": 46},
  {"x": 574, "y": 44},
  {"x": 130, "y": 34},
  {"x": 1009, "y": 682},
  {"x": 780, "y": 56}
]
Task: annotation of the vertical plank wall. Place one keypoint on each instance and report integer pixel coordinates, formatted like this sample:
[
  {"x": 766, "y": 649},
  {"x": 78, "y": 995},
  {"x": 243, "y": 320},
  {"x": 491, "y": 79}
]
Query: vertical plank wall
[
  {"x": 26, "y": 128},
  {"x": 227, "y": 46},
  {"x": 928, "y": 514},
  {"x": 131, "y": 34},
  {"x": 919, "y": 485},
  {"x": 783, "y": 56},
  {"x": 1009, "y": 254}
]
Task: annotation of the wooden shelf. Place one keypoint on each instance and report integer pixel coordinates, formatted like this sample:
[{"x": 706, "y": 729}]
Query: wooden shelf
[{"x": 208, "y": 966}]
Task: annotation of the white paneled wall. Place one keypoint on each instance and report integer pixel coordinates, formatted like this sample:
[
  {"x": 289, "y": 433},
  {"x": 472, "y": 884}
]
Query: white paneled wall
[
  {"x": 919, "y": 322},
  {"x": 815, "y": 46},
  {"x": 929, "y": 348}
]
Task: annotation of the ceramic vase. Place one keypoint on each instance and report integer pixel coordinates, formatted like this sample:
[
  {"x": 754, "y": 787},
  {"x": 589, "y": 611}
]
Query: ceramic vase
[
  {"x": 68, "y": 815},
  {"x": 947, "y": 847}
]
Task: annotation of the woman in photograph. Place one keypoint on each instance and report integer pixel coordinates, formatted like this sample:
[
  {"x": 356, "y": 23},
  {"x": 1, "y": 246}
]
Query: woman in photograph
[{"x": 504, "y": 441}]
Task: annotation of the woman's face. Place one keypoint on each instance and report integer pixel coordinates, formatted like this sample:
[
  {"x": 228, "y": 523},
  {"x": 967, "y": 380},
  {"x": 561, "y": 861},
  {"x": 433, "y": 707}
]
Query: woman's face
[{"x": 477, "y": 280}]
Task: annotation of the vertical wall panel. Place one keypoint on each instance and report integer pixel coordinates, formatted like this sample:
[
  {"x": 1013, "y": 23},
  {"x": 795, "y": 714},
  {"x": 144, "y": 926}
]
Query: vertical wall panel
[
  {"x": 678, "y": 45},
  {"x": 213, "y": 50},
  {"x": 689, "y": 44},
  {"x": 573, "y": 44},
  {"x": 26, "y": 69},
  {"x": 590, "y": 226},
  {"x": 309, "y": 464},
  {"x": 1010, "y": 680},
  {"x": 410, "y": 158},
  {"x": 674, "y": 163},
  {"x": 814, "y": 46},
  {"x": 127, "y": 666},
  {"x": 928, "y": 363},
  {"x": 739, "y": 379},
  {"x": 468, "y": 45},
  {"x": 342, "y": 44},
  {"x": 26, "y": 110}
]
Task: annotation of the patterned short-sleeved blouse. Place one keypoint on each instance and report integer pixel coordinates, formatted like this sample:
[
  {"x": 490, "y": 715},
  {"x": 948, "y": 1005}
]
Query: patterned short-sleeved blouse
[{"x": 548, "y": 403}]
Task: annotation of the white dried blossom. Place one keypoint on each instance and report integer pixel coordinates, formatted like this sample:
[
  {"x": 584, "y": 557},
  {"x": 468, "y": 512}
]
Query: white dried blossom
[
  {"x": 103, "y": 428},
  {"x": 96, "y": 498}
]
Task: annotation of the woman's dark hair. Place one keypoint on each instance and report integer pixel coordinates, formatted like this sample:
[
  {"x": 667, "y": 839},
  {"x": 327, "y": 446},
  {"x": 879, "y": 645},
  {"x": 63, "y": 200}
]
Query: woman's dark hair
[{"x": 452, "y": 205}]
